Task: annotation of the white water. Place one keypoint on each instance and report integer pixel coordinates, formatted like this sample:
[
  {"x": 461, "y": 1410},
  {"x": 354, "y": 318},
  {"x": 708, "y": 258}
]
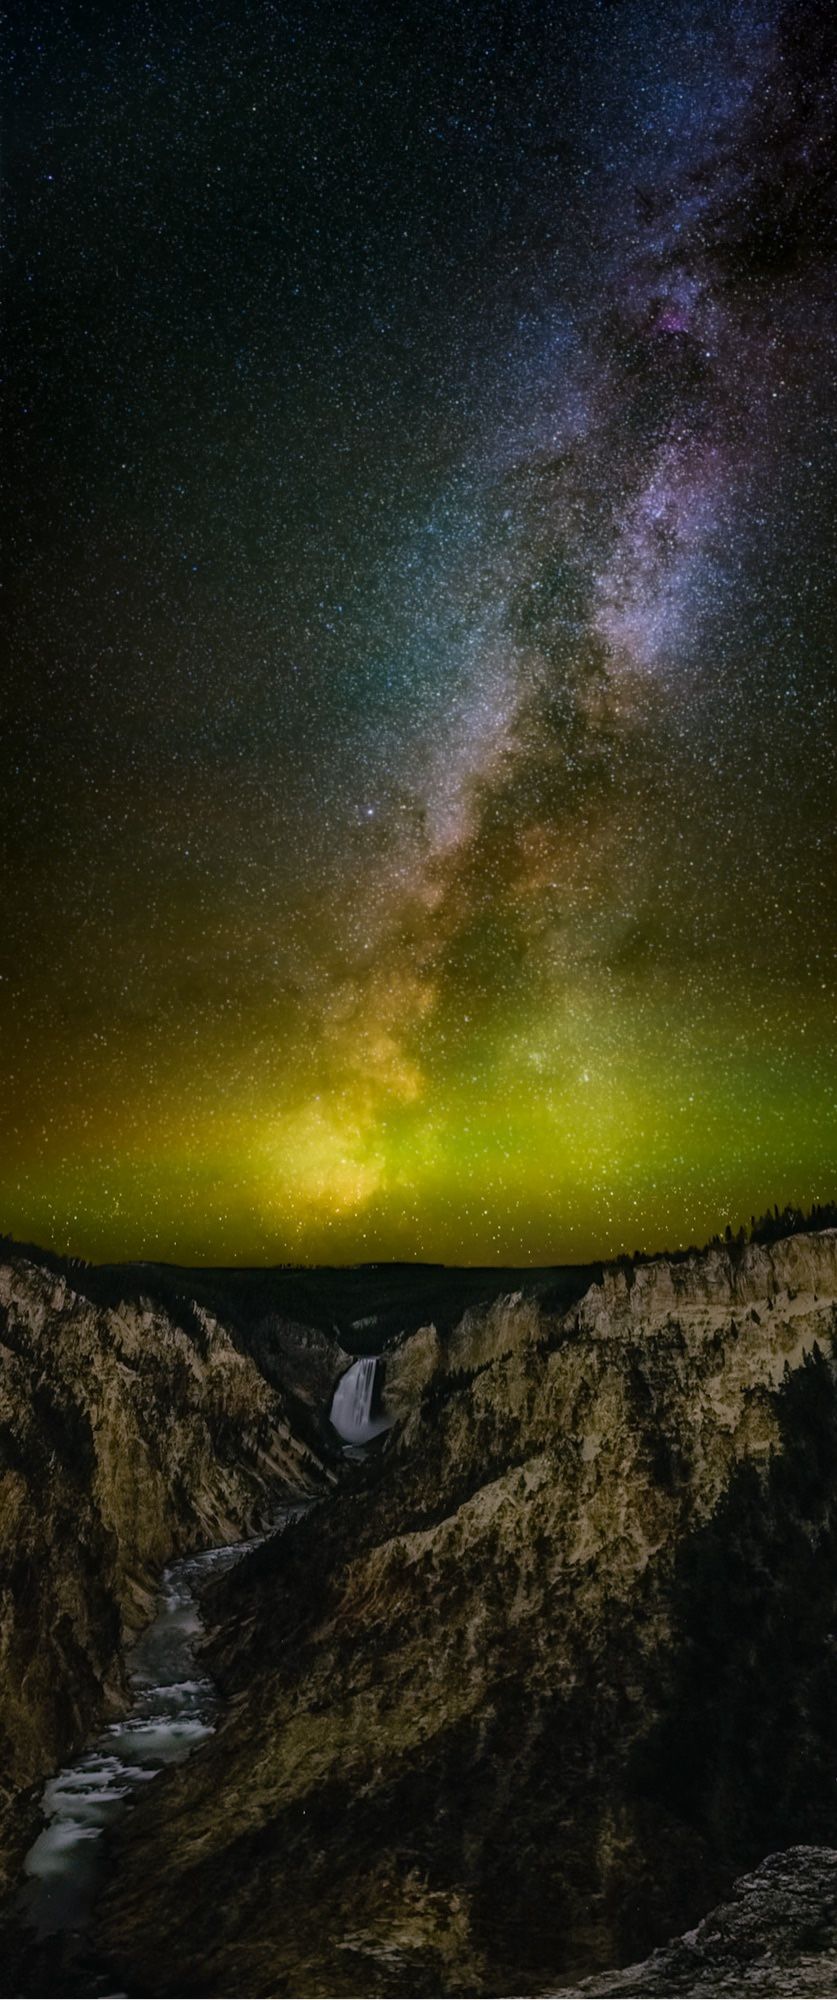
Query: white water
[
  {"x": 173, "y": 1709},
  {"x": 351, "y": 1409}
]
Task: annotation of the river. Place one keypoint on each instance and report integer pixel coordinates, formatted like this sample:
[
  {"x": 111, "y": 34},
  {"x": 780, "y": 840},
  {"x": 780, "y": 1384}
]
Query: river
[{"x": 173, "y": 1708}]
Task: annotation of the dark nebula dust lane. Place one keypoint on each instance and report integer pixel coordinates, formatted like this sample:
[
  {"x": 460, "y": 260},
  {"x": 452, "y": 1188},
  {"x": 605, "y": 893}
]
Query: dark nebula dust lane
[{"x": 419, "y": 788}]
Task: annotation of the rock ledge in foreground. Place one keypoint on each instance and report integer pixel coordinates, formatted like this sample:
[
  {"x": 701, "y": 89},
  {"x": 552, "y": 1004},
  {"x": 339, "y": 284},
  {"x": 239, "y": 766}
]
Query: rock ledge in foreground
[{"x": 776, "y": 1935}]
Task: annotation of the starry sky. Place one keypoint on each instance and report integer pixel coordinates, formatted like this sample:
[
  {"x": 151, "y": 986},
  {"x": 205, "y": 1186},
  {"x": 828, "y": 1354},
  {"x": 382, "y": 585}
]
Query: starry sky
[{"x": 418, "y": 784}]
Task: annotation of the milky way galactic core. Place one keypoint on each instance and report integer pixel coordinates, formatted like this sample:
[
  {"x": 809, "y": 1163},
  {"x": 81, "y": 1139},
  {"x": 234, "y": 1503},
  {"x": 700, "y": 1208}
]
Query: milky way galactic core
[{"x": 419, "y": 788}]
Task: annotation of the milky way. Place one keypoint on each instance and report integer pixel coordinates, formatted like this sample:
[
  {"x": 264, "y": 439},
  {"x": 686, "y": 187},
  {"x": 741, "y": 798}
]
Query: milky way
[{"x": 420, "y": 790}]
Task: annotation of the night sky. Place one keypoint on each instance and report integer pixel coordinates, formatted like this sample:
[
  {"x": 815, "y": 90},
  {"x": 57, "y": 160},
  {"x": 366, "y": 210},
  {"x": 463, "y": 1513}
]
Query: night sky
[{"x": 418, "y": 781}]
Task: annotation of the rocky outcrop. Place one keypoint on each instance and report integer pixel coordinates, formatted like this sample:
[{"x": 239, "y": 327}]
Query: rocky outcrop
[
  {"x": 306, "y": 1365},
  {"x": 526, "y": 1701},
  {"x": 126, "y": 1435},
  {"x": 777, "y": 1935}
]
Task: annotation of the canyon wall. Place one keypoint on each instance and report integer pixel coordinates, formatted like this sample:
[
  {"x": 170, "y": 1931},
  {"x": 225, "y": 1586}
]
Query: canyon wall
[
  {"x": 126, "y": 1435},
  {"x": 560, "y": 1666}
]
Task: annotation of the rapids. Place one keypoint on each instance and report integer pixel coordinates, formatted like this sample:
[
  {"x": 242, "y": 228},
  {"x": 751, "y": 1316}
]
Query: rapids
[{"x": 173, "y": 1708}]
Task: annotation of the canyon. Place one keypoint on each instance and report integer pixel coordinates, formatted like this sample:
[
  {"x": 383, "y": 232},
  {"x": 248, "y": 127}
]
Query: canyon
[
  {"x": 127, "y": 1436},
  {"x": 545, "y": 1672}
]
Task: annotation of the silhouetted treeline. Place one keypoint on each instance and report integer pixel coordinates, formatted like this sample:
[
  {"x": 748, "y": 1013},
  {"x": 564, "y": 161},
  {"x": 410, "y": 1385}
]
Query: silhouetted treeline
[
  {"x": 789, "y": 1221},
  {"x": 767, "y": 1228},
  {"x": 368, "y": 1305}
]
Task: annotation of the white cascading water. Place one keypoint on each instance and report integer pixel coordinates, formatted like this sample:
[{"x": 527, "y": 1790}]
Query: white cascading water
[{"x": 351, "y": 1409}]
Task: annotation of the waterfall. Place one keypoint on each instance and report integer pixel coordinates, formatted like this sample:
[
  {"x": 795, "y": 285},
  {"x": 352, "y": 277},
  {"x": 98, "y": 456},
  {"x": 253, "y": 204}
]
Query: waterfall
[{"x": 351, "y": 1409}]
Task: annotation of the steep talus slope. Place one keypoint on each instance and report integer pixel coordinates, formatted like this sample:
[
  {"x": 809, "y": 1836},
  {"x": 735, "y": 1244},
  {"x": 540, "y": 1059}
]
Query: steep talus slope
[
  {"x": 480, "y": 1738},
  {"x": 125, "y": 1437}
]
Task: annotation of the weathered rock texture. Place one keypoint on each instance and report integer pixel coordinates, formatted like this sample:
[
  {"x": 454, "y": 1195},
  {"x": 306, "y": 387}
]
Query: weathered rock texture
[
  {"x": 306, "y": 1366},
  {"x": 125, "y": 1437},
  {"x": 776, "y": 1935},
  {"x": 527, "y": 1702}
]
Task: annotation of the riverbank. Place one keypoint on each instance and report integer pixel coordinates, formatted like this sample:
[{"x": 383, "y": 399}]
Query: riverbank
[
  {"x": 172, "y": 1709},
  {"x": 130, "y": 1435}
]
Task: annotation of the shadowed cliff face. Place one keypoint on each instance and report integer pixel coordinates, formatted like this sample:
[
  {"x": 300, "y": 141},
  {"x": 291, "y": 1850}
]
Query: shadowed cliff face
[
  {"x": 486, "y": 1729},
  {"x": 125, "y": 1437}
]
